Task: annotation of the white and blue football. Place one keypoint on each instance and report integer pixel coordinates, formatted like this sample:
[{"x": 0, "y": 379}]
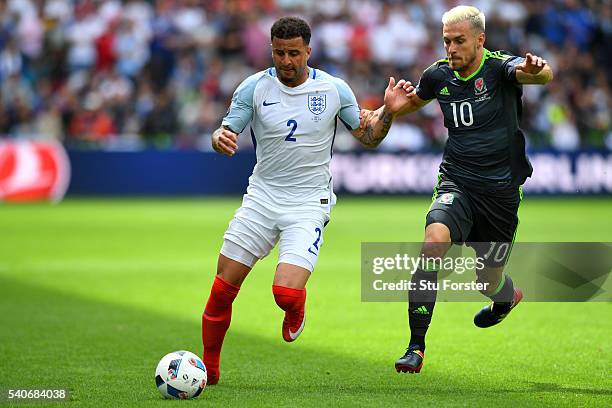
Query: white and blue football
[{"x": 180, "y": 375}]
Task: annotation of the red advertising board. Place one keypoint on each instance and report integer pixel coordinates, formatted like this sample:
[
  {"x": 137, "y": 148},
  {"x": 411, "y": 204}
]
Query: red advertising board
[{"x": 33, "y": 171}]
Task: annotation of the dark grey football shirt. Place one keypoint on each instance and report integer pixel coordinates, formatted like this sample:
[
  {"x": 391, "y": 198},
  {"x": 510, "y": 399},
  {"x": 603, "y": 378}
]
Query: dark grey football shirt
[{"x": 485, "y": 146}]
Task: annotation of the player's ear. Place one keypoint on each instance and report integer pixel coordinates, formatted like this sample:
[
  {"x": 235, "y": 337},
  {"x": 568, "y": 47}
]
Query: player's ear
[{"x": 481, "y": 39}]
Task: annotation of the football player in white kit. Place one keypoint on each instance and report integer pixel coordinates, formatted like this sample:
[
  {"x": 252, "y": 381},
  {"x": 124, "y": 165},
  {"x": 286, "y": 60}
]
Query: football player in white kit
[{"x": 292, "y": 109}]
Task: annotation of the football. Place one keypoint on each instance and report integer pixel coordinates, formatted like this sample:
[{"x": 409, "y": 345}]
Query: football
[{"x": 180, "y": 375}]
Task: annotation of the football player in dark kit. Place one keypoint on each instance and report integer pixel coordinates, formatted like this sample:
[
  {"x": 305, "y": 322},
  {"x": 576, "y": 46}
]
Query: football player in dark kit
[{"x": 478, "y": 193}]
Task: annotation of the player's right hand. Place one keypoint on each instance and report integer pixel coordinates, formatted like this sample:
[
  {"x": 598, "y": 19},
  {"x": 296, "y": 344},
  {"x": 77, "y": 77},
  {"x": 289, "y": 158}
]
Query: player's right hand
[
  {"x": 225, "y": 141},
  {"x": 398, "y": 95}
]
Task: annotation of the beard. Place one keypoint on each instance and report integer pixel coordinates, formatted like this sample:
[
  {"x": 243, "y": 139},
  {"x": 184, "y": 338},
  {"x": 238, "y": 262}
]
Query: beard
[
  {"x": 289, "y": 77},
  {"x": 464, "y": 66}
]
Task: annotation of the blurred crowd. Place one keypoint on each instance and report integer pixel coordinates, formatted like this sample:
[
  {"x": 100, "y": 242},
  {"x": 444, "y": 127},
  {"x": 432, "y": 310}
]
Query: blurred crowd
[{"x": 131, "y": 74}]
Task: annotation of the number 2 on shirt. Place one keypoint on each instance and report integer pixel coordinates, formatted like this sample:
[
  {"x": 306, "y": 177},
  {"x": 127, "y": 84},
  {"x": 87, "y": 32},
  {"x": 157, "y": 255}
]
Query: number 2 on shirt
[{"x": 293, "y": 124}]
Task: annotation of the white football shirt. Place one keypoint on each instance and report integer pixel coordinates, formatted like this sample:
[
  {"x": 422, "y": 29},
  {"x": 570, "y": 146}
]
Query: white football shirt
[{"x": 293, "y": 130}]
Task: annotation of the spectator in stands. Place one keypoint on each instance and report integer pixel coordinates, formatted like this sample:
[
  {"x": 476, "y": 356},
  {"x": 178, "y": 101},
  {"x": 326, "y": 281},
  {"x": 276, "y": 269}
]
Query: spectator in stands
[
  {"x": 93, "y": 123},
  {"x": 161, "y": 123},
  {"x": 135, "y": 54}
]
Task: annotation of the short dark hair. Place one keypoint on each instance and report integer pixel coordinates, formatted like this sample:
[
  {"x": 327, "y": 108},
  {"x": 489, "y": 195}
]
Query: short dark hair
[{"x": 291, "y": 27}]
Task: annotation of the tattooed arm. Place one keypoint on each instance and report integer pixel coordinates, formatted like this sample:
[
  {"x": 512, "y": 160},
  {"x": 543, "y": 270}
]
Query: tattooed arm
[
  {"x": 375, "y": 125},
  {"x": 375, "y": 129}
]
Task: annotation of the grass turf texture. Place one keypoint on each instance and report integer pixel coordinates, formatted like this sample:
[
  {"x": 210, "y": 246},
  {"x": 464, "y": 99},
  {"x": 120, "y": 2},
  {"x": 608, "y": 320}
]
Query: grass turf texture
[{"x": 94, "y": 292}]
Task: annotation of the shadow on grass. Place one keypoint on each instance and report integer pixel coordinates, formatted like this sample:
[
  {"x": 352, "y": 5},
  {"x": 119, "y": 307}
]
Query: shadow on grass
[
  {"x": 106, "y": 355},
  {"x": 551, "y": 387}
]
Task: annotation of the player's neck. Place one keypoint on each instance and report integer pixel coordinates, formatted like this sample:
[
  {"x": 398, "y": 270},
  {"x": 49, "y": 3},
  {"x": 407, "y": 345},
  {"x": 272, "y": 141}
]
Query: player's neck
[{"x": 473, "y": 67}]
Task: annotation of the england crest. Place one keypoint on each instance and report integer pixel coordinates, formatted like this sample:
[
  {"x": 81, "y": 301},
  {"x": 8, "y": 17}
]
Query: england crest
[
  {"x": 316, "y": 103},
  {"x": 479, "y": 86}
]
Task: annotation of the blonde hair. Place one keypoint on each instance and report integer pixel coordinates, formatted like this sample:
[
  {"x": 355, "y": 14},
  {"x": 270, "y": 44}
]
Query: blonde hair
[{"x": 463, "y": 13}]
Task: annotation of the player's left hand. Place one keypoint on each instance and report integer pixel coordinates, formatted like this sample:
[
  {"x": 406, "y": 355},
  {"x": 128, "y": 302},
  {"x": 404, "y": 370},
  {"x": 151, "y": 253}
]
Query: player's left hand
[{"x": 532, "y": 64}]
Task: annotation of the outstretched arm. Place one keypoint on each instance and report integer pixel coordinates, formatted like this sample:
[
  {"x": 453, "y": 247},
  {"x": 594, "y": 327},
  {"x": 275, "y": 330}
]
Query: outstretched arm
[
  {"x": 225, "y": 141},
  {"x": 374, "y": 125},
  {"x": 534, "y": 70},
  {"x": 400, "y": 99},
  {"x": 414, "y": 101}
]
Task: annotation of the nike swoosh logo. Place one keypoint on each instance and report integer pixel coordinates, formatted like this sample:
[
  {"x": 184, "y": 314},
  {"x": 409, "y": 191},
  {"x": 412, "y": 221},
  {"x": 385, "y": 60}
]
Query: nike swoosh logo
[
  {"x": 269, "y": 103},
  {"x": 298, "y": 331}
]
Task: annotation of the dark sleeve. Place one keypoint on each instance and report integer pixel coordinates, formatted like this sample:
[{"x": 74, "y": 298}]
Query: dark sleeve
[
  {"x": 508, "y": 68},
  {"x": 425, "y": 89}
]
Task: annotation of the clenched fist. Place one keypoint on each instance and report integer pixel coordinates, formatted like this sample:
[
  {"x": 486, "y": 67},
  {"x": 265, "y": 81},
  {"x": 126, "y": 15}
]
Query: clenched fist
[{"x": 225, "y": 141}]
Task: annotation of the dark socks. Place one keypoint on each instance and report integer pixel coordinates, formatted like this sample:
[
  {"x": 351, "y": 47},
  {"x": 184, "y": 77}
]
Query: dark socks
[
  {"x": 502, "y": 298},
  {"x": 421, "y": 305}
]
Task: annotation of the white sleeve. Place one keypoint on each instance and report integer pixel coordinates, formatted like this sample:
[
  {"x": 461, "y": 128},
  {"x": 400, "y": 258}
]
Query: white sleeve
[
  {"x": 240, "y": 111},
  {"x": 349, "y": 109}
]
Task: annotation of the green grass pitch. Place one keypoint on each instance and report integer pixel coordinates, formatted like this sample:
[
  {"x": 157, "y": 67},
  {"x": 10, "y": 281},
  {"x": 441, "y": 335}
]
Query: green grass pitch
[{"x": 94, "y": 292}]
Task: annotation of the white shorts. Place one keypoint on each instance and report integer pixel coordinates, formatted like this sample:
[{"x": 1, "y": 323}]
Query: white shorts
[{"x": 256, "y": 228}]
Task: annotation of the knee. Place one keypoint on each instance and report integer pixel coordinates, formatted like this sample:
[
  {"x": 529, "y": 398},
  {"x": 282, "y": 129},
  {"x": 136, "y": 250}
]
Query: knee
[
  {"x": 437, "y": 240},
  {"x": 231, "y": 271},
  {"x": 437, "y": 233},
  {"x": 229, "y": 276}
]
